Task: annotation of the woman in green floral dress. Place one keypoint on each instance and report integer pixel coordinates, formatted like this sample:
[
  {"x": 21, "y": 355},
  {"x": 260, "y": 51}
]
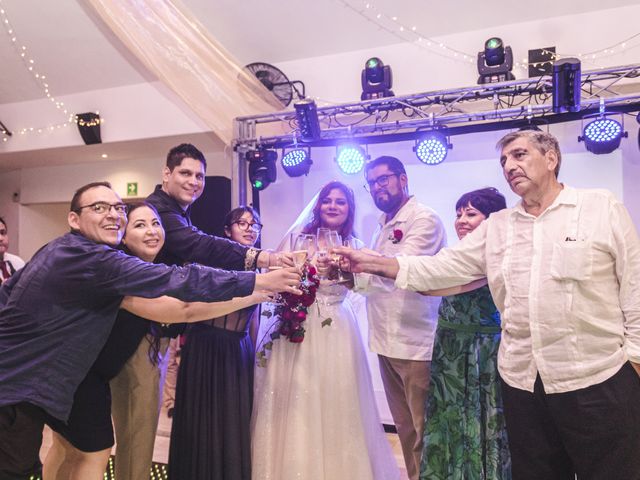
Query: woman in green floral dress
[{"x": 465, "y": 436}]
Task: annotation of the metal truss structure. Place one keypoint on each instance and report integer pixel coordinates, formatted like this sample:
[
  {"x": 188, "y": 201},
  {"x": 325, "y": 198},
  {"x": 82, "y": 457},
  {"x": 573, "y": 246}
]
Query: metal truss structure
[{"x": 488, "y": 107}]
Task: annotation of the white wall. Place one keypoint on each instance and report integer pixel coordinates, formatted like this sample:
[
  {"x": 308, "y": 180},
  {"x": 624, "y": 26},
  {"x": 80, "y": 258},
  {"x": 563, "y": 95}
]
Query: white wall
[
  {"x": 40, "y": 223},
  {"x": 9, "y": 208},
  {"x": 45, "y": 192}
]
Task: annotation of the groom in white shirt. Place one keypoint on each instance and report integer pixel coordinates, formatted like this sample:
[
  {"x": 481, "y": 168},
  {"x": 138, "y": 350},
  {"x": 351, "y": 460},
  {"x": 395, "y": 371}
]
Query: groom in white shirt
[
  {"x": 402, "y": 323},
  {"x": 564, "y": 270}
]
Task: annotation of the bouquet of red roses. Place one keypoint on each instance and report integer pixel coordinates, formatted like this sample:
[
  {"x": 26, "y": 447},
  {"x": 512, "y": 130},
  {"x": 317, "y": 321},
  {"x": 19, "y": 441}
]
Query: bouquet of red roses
[
  {"x": 292, "y": 309},
  {"x": 291, "y": 312}
]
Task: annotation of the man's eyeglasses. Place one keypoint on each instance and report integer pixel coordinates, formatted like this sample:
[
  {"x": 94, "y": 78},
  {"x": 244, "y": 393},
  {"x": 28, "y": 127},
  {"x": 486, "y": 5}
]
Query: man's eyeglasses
[
  {"x": 244, "y": 225},
  {"x": 103, "y": 207},
  {"x": 381, "y": 181}
]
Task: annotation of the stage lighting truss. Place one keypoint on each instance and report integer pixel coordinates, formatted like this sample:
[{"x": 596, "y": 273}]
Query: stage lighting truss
[
  {"x": 296, "y": 162},
  {"x": 477, "y": 108},
  {"x": 432, "y": 147},
  {"x": 350, "y": 158}
]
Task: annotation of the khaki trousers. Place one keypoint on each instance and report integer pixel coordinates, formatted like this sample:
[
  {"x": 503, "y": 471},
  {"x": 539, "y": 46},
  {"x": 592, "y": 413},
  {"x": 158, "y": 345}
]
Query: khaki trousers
[
  {"x": 135, "y": 406},
  {"x": 405, "y": 385}
]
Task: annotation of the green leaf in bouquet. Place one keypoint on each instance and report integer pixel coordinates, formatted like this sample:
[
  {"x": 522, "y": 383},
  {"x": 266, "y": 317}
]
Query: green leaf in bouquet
[
  {"x": 268, "y": 345},
  {"x": 326, "y": 322},
  {"x": 267, "y": 313}
]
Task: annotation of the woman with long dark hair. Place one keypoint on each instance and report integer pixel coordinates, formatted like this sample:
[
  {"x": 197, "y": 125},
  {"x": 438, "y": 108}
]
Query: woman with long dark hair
[{"x": 315, "y": 415}]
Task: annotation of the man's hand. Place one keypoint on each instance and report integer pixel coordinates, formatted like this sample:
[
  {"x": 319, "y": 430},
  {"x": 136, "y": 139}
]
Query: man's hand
[
  {"x": 281, "y": 280},
  {"x": 357, "y": 261}
]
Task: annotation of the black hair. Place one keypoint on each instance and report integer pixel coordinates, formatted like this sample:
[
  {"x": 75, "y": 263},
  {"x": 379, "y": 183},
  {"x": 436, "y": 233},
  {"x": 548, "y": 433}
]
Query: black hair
[
  {"x": 486, "y": 200},
  {"x": 395, "y": 165},
  {"x": 234, "y": 215},
  {"x": 182, "y": 151},
  {"x": 75, "y": 201}
]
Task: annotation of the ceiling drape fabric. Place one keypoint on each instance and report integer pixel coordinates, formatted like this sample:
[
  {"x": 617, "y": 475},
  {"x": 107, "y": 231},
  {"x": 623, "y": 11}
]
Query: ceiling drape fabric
[{"x": 173, "y": 45}]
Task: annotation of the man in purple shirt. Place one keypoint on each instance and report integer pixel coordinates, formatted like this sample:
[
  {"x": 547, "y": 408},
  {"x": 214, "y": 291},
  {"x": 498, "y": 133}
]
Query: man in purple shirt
[{"x": 56, "y": 314}]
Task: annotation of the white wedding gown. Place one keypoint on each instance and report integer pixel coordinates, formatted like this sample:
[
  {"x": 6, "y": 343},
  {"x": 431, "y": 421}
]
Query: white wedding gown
[{"x": 314, "y": 412}]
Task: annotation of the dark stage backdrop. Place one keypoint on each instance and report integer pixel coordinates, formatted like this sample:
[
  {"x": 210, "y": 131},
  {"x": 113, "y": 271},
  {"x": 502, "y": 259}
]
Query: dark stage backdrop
[{"x": 208, "y": 212}]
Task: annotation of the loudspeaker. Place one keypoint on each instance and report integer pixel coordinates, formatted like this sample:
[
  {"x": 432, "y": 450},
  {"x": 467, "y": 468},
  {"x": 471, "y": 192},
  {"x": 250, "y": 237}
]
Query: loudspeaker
[
  {"x": 89, "y": 127},
  {"x": 208, "y": 212}
]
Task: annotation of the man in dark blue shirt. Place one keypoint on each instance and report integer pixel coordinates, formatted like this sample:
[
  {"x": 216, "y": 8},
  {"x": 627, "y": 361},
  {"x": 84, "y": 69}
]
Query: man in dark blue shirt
[{"x": 56, "y": 314}]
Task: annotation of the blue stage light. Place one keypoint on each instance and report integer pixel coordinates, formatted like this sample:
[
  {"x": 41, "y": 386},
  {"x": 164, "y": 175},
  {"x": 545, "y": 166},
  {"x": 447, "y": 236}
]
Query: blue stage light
[
  {"x": 351, "y": 158},
  {"x": 431, "y": 148},
  {"x": 296, "y": 162},
  {"x": 603, "y": 135}
]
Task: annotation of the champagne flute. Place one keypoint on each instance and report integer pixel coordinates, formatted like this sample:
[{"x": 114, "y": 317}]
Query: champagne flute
[
  {"x": 301, "y": 244},
  {"x": 335, "y": 240},
  {"x": 353, "y": 243},
  {"x": 322, "y": 244}
]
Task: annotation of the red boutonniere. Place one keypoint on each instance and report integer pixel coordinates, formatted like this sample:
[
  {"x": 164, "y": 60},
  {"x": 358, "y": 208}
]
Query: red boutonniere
[{"x": 396, "y": 236}]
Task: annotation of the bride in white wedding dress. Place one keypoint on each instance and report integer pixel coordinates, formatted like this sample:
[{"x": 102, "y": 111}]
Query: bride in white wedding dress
[{"x": 314, "y": 412}]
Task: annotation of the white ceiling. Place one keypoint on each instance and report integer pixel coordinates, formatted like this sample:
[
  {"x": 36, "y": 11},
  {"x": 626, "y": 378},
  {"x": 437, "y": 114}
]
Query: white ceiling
[{"x": 78, "y": 53}]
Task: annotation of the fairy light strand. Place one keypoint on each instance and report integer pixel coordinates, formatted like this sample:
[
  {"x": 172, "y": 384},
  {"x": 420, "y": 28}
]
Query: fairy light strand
[
  {"x": 412, "y": 34},
  {"x": 39, "y": 78},
  {"x": 408, "y": 33}
]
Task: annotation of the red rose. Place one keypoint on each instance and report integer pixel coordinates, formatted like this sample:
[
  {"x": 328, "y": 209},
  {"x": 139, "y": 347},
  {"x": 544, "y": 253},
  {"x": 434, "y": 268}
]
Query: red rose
[
  {"x": 297, "y": 336},
  {"x": 311, "y": 270},
  {"x": 292, "y": 300},
  {"x": 397, "y": 235},
  {"x": 301, "y": 316},
  {"x": 285, "y": 329},
  {"x": 307, "y": 299}
]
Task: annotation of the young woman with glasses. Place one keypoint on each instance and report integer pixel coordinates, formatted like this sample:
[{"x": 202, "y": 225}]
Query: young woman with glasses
[{"x": 210, "y": 437}]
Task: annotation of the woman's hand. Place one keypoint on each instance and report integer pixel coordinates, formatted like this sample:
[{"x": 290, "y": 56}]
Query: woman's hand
[
  {"x": 281, "y": 280},
  {"x": 260, "y": 296}
]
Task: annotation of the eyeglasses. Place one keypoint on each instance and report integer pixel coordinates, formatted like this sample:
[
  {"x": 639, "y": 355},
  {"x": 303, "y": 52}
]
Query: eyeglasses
[
  {"x": 103, "y": 207},
  {"x": 244, "y": 225},
  {"x": 381, "y": 181}
]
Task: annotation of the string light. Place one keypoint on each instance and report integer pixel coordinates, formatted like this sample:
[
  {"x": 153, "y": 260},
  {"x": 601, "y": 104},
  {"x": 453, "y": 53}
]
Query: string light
[
  {"x": 39, "y": 78},
  {"x": 408, "y": 33},
  {"x": 412, "y": 34}
]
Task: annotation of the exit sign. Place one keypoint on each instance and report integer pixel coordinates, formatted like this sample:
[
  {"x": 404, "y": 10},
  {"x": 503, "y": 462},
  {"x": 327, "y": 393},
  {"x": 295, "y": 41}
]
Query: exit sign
[{"x": 132, "y": 189}]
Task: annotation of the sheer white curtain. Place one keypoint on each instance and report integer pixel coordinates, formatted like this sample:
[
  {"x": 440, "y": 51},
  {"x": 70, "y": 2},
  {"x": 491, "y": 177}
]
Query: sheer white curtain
[{"x": 174, "y": 46}]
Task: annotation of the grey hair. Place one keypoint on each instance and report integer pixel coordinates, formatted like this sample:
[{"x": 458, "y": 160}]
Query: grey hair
[{"x": 542, "y": 141}]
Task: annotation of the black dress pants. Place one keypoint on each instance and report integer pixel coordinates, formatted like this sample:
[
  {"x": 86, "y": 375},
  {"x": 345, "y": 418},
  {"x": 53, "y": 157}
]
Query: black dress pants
[
  {"x": 20, "y": 440},
  {"x": 593, "y": 432}
]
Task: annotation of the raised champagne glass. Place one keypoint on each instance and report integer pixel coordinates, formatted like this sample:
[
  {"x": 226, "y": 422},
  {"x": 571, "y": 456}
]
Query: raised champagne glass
[{"x": 335, "y": 240}]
